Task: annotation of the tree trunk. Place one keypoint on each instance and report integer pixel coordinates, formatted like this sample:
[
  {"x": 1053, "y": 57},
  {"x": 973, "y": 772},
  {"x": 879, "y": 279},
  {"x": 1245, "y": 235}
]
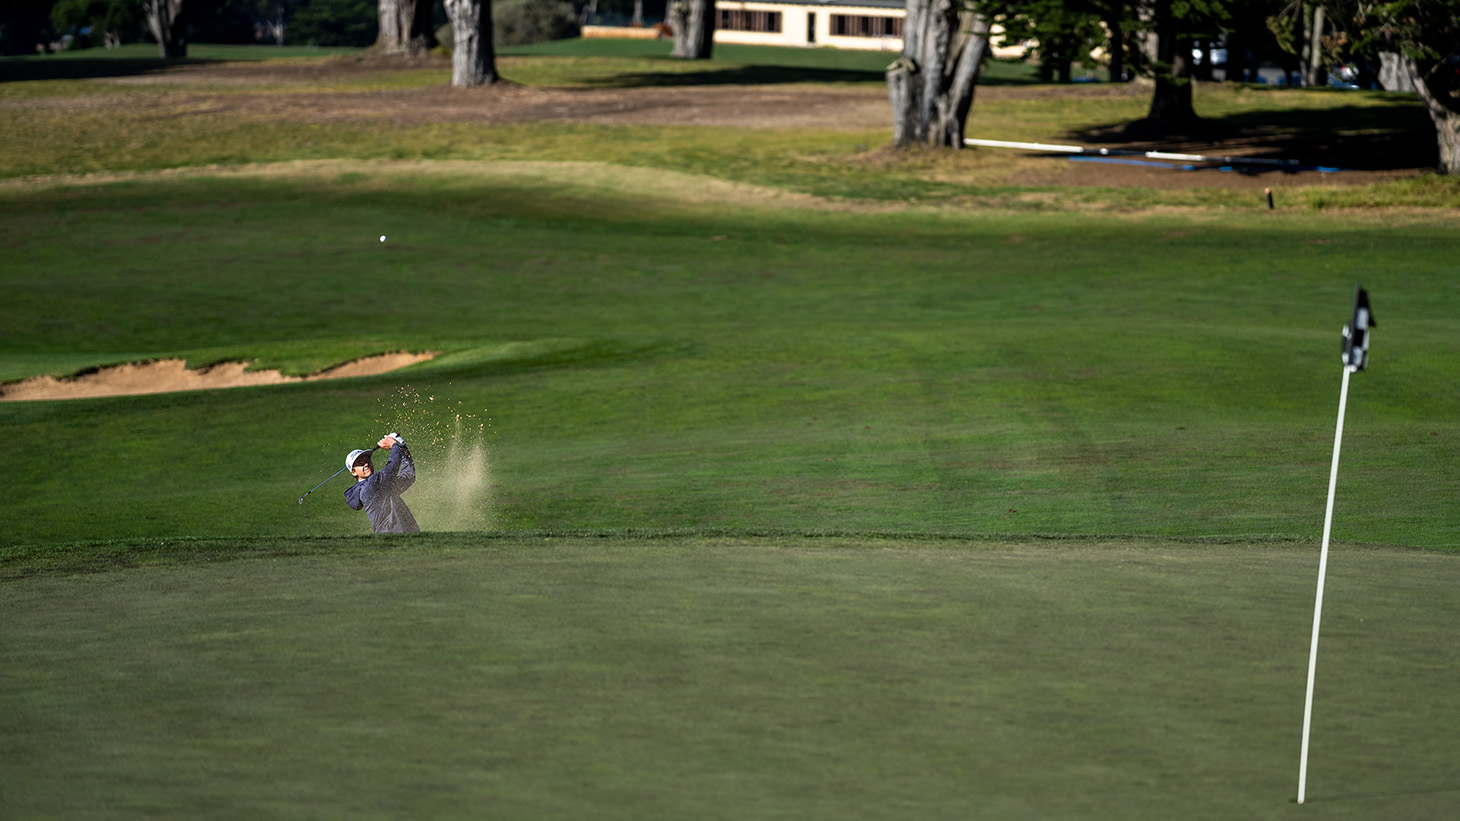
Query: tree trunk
[
  {"x": 1394, "y": 75},
  {"x": 1116, "y": 73},
  {"x": 1171, "y": 100},
  {"x": 405, "y": 28},
  {"x": 954, "y": 104},
  {"x": 274, "y": 26},
  {"x": 931, "y": 86},
  {"x": 1237, "y": 41},
  {"x": 473, "y": 58},
  {"x": 1145, "y": 54},
  {"x": 693, "y": 23},
  {"x": 168, "y": 26},
  {"x": 1444, "y": 111},
  {"x": 902, "y": 89},
  {"x": 1314, "y": 73}
]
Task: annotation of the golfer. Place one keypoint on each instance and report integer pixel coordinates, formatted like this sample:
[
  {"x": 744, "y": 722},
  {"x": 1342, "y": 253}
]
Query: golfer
[{"x": 379, "y": 494}]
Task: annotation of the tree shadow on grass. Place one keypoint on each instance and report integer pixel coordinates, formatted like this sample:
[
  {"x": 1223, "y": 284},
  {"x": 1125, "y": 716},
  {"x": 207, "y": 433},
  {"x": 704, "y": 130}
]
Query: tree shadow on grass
[
  {"x": 1362, "y": 138},
  {"x": 752, "y": 75},
  {"x": 81, "y": 68},
  {"x": 739, "y": 75},
  {"x": 1324, "y": 799}
]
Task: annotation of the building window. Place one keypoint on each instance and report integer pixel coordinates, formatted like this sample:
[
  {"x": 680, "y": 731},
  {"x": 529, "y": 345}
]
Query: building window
[
  {"x": 861, "y": 25},
  {"x": 743, "y": 20}
]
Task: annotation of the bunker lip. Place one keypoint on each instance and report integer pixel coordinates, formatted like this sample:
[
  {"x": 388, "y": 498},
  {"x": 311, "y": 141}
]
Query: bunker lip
[{"x": 173, "y": 375}]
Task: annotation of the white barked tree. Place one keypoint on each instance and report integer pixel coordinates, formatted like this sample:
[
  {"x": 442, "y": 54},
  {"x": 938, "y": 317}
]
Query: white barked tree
[
  {"x": 693, "y": 25},
  {"x": 931, "y": 85},
  {"x": 473, "y": 58},
  {"x": 1442, "y": 99},
  {"x": 405, "y": 28},
  {"x": 168, "y": 26}
]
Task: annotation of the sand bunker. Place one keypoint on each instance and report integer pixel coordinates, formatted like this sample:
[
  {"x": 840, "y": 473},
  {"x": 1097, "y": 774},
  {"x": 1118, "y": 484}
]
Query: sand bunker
[{"x": 169, "y": 375}]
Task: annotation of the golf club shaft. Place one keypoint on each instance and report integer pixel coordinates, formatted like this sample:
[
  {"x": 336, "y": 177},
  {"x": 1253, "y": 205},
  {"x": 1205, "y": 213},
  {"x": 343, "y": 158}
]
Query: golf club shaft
[
  {"x": 321, "y": 484},
  {"x": 327, "y": 481}
]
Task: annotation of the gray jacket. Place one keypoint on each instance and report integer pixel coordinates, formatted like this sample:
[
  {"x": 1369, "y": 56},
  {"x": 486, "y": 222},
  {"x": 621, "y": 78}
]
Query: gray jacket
[{"x": 380, "y": 495}]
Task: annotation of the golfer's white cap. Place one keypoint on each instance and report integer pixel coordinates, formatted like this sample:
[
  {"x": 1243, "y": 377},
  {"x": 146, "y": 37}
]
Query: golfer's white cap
[{"x": 354, "y": 454}]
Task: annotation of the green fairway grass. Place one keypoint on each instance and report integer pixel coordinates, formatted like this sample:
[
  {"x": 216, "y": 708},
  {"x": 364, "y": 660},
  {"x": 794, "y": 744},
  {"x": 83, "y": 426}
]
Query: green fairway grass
[
  {"x": 455, "y": 677},
  {"x": 661, "y": 360}
]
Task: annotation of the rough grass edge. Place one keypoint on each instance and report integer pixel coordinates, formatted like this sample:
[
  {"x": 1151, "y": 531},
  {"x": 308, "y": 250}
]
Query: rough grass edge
[
  {"x": 1428, "y": 195},
  {"x": 21, "y": 562}
]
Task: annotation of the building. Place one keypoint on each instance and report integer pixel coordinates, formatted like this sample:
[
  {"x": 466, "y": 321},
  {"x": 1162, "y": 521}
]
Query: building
[
  {"x": 857, "y": 24},
  {"x": 868, "y": 25}
]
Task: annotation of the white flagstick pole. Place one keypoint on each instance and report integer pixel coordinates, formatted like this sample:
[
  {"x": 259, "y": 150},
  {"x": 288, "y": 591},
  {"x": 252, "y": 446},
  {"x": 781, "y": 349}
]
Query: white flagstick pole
[{"x": 1322, "y": 573}]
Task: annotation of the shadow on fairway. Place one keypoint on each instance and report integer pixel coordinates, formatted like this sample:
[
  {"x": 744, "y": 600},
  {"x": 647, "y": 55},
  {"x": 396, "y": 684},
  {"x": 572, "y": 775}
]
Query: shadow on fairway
[
  {"x": 746, "y": 75},
  {"x": 750, "y": 75},
  {"x": 1374, "y": 796},
  {"x": 1388, "y": 137},
  {"x": 80, "y": 68}
]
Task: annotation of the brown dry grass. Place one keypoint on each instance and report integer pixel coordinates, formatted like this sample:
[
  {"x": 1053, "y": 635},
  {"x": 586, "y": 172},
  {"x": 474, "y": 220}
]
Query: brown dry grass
[{"x": 406, "y": 94}]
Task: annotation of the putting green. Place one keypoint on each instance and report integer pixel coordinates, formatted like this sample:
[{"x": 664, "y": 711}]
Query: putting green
[{"x": 730, "y": 677}]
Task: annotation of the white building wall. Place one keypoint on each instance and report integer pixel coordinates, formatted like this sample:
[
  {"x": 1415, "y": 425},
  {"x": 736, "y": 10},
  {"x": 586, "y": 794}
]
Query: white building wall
[
  {"x": 793, "y": 25},
  {"x": 825, "y": 37},
  {"x": 807, "y": 25}
]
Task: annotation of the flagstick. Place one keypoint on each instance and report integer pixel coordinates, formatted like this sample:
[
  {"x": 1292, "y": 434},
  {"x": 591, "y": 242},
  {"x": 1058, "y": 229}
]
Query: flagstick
[{"x": 1322, "y": 573}]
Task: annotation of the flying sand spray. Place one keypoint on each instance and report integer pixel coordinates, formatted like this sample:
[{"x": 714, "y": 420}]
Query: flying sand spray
[{"x": 453, "y": 489}]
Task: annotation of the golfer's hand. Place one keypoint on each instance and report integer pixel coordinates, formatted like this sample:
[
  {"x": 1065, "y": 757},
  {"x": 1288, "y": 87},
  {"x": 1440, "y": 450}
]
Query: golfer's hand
[{"x": 386, "y": 442}]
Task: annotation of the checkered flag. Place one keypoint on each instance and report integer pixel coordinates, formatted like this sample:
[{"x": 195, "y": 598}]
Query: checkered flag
[{"x": 1356, "y": 333}]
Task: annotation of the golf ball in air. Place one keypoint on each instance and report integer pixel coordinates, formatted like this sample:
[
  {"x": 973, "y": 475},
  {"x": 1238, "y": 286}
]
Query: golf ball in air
[{"x": 382, "y": 238}]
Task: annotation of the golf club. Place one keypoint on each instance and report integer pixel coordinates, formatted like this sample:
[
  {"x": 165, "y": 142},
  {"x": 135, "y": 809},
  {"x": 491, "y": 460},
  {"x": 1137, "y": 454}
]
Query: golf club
[{"x": 327, "y": 481}]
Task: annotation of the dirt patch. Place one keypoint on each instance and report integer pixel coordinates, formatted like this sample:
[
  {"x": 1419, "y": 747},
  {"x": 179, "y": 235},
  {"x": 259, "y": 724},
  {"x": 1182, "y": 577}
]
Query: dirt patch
[
  {"x": 172, "y": 375},
  {"x": 757, "y": 107},
  {"x": 319, "y": 91}
]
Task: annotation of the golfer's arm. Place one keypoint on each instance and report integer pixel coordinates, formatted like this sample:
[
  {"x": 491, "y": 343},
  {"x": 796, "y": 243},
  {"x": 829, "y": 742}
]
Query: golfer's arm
[
  {"x": 407, "y": 464},
  {"x": 399, "y": 457}
]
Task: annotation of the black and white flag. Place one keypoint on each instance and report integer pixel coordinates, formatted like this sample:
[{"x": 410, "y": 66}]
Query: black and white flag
[{"x": 1356, "y": 332}]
